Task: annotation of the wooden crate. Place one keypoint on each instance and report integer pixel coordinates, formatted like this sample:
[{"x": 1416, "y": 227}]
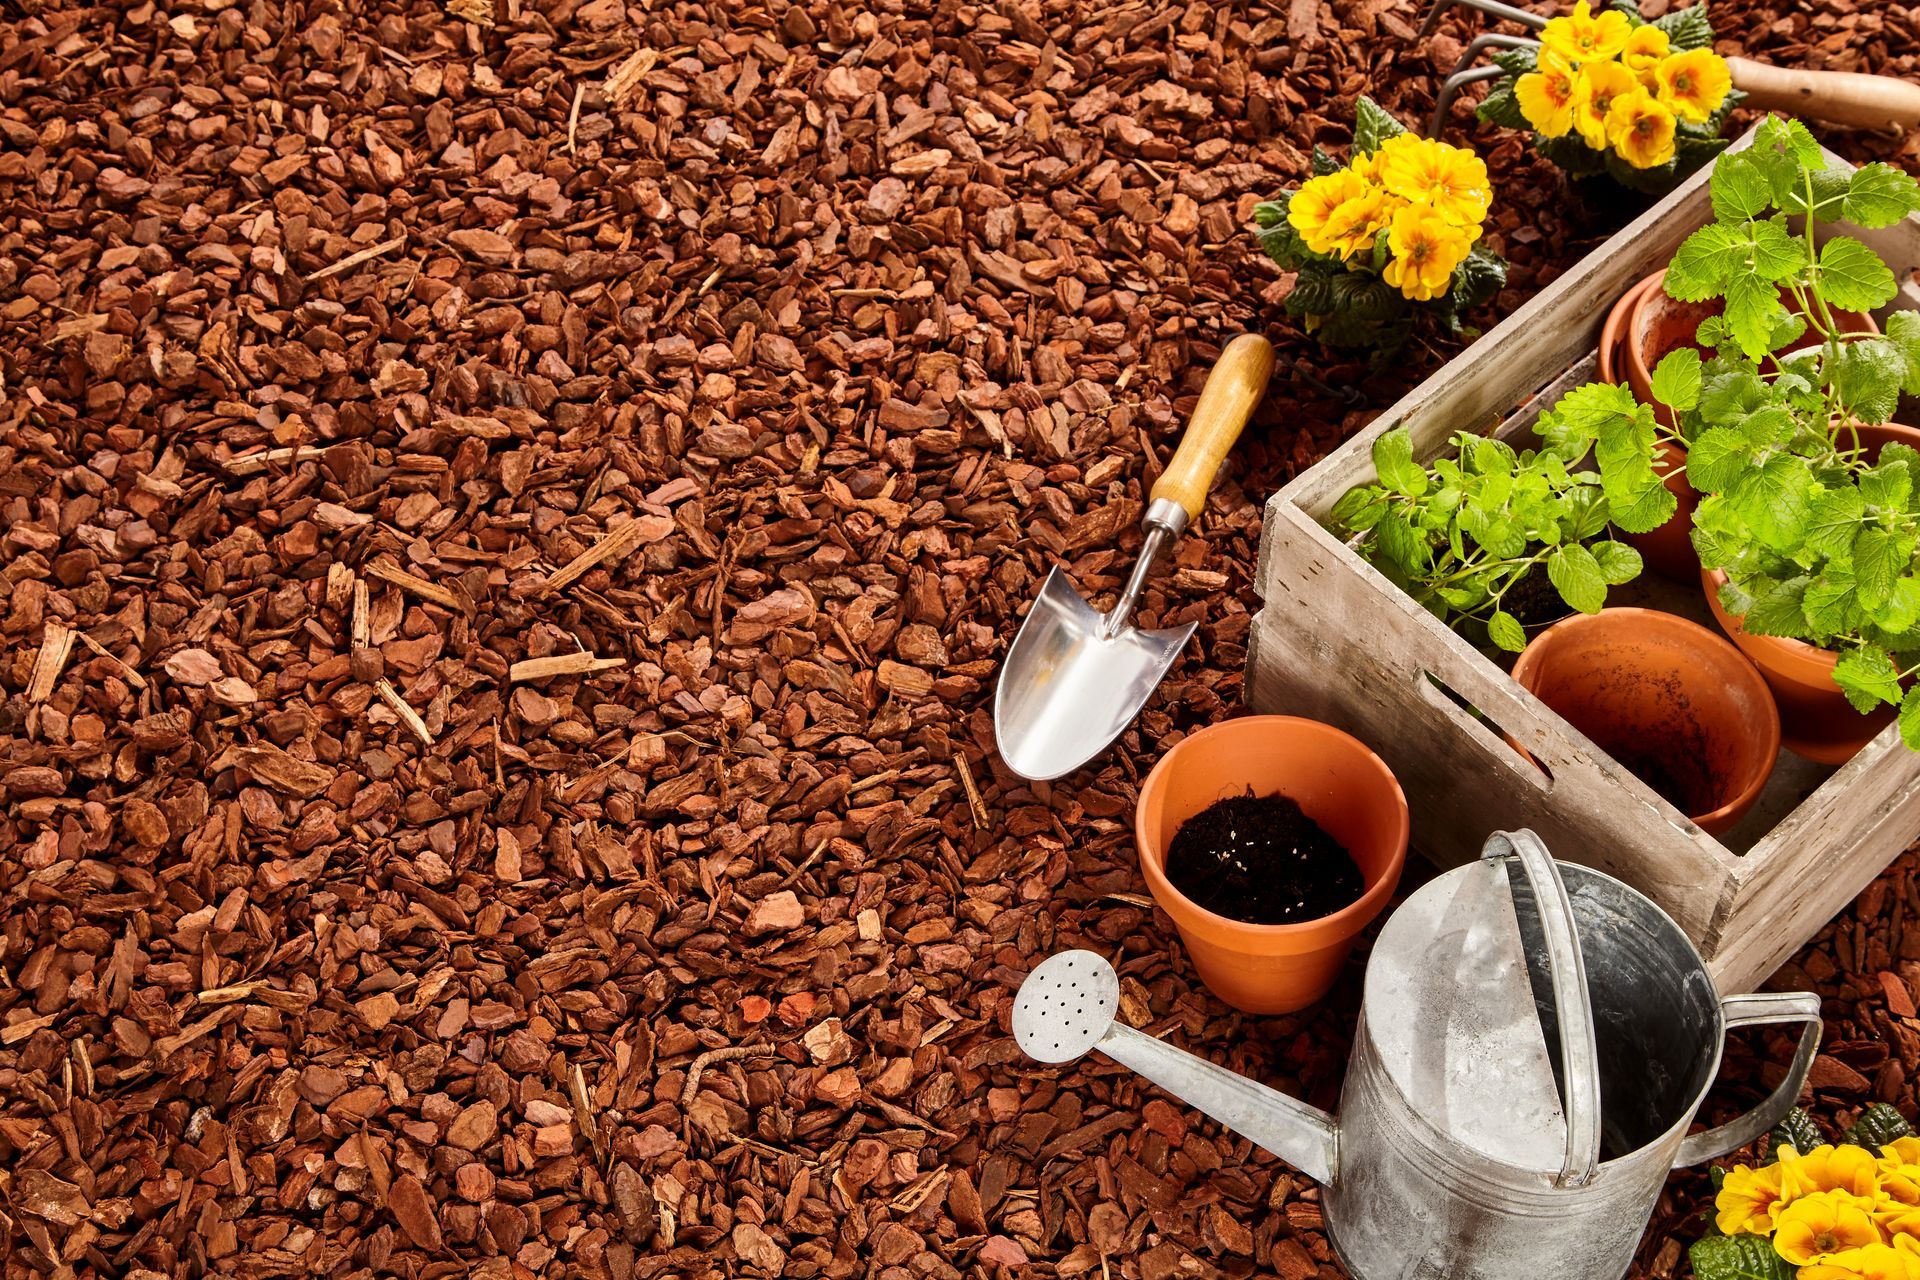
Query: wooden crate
[{"x": 1337, "y": 642}]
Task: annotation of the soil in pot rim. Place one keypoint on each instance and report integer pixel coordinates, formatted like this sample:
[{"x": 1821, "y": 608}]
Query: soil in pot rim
[{"x": 1261, "y": 860}]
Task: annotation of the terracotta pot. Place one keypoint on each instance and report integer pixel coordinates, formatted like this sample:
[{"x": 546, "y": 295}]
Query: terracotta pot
[
  {"x": 1657, "y": 325},
  {"x": 1668, "y": 699},
  {"x": 1337, "y": 782},
  {"x": 1642, "y": 329},
  {"x": 1816, "y": 720}
]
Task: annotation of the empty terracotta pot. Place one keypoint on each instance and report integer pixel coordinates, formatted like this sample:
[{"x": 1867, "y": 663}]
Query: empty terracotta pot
[
  {"x": 1337, "y": 782},
  {"x": 1816, "y": 720},
  {"x": 1675, "y": 704}
]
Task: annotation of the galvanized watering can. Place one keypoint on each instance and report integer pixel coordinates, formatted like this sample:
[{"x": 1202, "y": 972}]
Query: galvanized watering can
[{"x": 1533, "y": 1043}]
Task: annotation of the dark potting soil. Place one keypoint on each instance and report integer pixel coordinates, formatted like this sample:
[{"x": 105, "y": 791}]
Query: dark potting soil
[
  {"x": 1261, "y": 860},
  {"x": 1682, "y": 778}
]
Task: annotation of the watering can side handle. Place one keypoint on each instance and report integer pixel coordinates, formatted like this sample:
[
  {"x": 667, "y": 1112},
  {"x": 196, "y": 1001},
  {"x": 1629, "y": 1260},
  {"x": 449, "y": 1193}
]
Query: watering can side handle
[
  {"x": 1301, "y": 1135},
  {"x": 1755, "y": 1010},
  {"x": 1567, "y": 968}
]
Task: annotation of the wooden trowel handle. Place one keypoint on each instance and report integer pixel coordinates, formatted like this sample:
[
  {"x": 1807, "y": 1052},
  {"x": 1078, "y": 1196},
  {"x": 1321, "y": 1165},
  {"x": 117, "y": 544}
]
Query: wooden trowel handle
[
  {"x": 1234, "y": 387},
  {"x": 1839, "y": 97}
]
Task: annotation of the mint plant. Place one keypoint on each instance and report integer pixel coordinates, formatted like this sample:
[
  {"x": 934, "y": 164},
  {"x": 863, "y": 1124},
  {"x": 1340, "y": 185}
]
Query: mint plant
[
  {"x": 1816, "y": 533},
  {"x": 1465, "y": 536}
]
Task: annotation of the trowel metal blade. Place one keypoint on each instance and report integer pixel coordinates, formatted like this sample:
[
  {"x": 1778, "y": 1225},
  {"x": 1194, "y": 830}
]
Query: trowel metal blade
[{"x": 1067, "y": 691}]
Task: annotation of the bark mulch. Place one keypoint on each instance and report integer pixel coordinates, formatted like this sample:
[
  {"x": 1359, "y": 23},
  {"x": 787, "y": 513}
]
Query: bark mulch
[{"x": 511, "y": 513}]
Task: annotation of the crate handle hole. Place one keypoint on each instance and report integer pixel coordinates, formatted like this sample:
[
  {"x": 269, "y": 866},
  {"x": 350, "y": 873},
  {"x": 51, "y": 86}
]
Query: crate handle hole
[{"x": 1479, "y": 725}]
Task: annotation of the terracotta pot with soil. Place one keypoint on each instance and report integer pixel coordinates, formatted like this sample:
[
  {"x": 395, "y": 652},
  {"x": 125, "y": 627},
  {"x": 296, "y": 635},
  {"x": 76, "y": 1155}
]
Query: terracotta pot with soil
[
  {"x": 1271, "y": 842},
  {"x": 1675, "y": 704},
  {"x": 1643, "y": 328},
  {"x": 1816, "y": 720}
]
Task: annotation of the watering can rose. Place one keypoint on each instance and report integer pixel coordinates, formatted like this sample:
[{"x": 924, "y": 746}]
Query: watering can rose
[
  {"x": 1389, "y": 236},
  {"x": 1609, "y": 93}
]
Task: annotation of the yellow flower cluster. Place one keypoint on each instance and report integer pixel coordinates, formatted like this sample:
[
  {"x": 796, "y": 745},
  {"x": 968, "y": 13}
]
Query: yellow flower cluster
[
  {"x": 1429, "y": 199},
  {"x": 1619, "y": 86},
  {"x": 1836, "y": 1213}
]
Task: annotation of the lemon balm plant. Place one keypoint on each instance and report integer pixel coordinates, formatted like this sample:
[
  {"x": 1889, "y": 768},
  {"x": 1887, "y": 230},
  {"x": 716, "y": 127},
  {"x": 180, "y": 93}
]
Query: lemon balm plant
[
  {"x": 1816, "y": 531},
  {"x": 1610, "y": 93},
  {"x": 1474, "y": 535},
  {"x": 1818, "y": 1211},
  {"x": 1386, "y": 239}
]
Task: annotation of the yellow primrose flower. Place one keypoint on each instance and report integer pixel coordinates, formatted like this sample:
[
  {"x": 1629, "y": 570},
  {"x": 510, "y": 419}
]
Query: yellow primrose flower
[
  {"x": 1546, "y": 95},
  {"x": 1451, "y": 180},
  {"x": 1426, "y": 249},
  {"x": 1583, "y": 37},
  {"x": 1903, "y": 1150},
  {"x": 1641, "y": 131},
  {"x": 1869, "y": 1262},
  {"x": 1815, "y": 1228},
  {"x": 1848, "y": 1169},
  {"x": 1313, "y": 204},
  {"x": 1693, "y": 84},
  {"x": 1368, "y": 167},
  {"x": 1748, "y": 1200},
  {"x": 1899, "y": 1185},
  {"x": 1350, "y": 228},
  {"x": 1643, "y": 51},
  {"x": 1594, "y": 90}
]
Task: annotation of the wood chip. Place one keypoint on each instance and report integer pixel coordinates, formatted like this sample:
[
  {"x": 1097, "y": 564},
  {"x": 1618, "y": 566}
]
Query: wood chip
[{"x": 55, "y": 646}]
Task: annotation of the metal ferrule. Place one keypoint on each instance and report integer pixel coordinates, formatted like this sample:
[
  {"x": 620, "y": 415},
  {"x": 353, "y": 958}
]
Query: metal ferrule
[{"x": 1165, "y": 521}]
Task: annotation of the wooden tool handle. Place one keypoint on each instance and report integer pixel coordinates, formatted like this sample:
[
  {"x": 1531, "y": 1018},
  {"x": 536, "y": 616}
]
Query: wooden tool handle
[
  {"x": 1839, "y": 97},
  {"x": 1234, "y": 387}
]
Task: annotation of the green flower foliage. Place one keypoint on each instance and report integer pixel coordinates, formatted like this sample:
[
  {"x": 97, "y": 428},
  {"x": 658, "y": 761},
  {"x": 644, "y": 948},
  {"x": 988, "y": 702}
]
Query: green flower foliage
[
  {"x": 1738, "y": 1258},
  {"x": 1817, "y": 534},
  {"x": 1461, "y": 534}
]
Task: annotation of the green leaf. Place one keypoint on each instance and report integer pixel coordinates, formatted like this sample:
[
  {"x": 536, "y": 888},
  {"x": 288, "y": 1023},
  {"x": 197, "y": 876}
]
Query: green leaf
[
  {"x": 1753, "y": 305},
  {"x": 1773, "y": 498},
  {"x": 1324, "y": 163},
  {"x": 1372, "y": 126},
  {"x": 1576, "y": 575},
  {"x": 1868, "y": 677},
  {"x": 1676, "y": 380},
  {"x": 1797, "y": 1130},
  {"x": 1359, "y": 509},
  {"x": 1740, "y": 1257},
  {"x": 1402, "y": 546},
  {"x": 1832, "y": 606},
  {"x": 1797, "y": 140},
  {"x": 1502, "y": 107},
  {"x": 1880, "y": 558},
  {"x": 1778, "y": 611},
  {"x": 1910, "y": 719},
  {"x": 1878, "y": 1126},
  {"x": 1740, "y": 189},
  {"x": 1888, "y": 484},
  {"x": 1833, "y": 519},
  {"x": 1478, "y": 278},
  {"x": 1686, "y": 28},
  {"x": 1705, "y": 263},
  {"x": 1901, "y": 611},
  {"x": 1853, "y": 277},
  {"x": 1829, "y": 194},
  {"x": 1505, "y": 631},
  {"x": 1903, "y": 331},
  {"x": 1879, "y": 195},
  {"x": 1619, "y": 563},
  {"x": 1312, "y": 289},
  {"x": 1717, "y": 457},
  {"x": 1393, "y": 461},
  {"x": 1868, "y": 374}
]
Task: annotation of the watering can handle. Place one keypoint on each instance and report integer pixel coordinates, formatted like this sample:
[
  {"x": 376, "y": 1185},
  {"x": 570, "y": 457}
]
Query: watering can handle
[
  {"x": 1756, "y": 1010},
  {"x": 1567, "y": 969}
]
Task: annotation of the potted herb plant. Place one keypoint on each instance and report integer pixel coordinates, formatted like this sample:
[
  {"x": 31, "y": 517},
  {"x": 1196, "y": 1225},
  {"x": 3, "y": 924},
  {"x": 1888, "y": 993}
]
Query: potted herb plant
[
  {"x": 1386, "y": 242},
  {"x": 1496, "y": 540},
  {"x": 1610, "y": 95},
  {"x": 1809, "y": 517}
]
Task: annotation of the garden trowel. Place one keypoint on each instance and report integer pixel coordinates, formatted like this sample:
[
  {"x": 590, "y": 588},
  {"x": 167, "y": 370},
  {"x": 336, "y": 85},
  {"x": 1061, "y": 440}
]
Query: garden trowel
[{"x": 1075, "y": 677}]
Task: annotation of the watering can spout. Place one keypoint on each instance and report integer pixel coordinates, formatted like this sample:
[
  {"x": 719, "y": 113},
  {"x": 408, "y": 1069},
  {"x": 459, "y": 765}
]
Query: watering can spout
[
  {"x": 1066, "y": 1008},
  {"x": 1301, "y": 1135}
]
